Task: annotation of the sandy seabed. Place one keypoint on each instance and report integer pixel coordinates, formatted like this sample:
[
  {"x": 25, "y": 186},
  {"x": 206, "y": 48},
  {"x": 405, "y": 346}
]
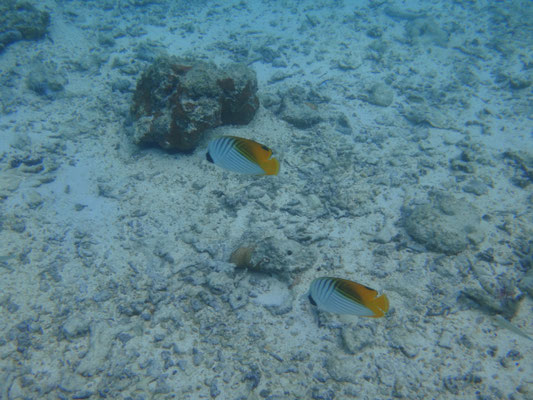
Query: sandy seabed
[{"x": 115, "y": 279}]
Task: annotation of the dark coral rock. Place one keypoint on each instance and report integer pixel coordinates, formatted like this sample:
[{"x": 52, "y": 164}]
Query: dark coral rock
[
  {"x": 176, "y": 100},
  {"x": 19, "y": 21},
  {"x": 239, "y": 102}
]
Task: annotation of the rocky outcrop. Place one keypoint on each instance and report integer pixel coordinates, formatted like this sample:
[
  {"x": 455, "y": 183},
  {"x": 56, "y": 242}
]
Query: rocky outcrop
[
  {"x": 21, "y": 21},
  {"x": 178, "y": 99}
]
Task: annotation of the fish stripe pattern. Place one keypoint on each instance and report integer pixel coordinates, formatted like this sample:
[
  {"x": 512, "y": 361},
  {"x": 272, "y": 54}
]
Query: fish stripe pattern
[
  {"x": 342, "y": 296},
  {"x": 242, "y": 155}
]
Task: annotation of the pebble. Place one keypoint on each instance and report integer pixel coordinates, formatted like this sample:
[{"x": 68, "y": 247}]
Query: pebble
[
  {"x": 101, "y": 339},
  {"x": 16, "y": 223},
  {"x": 340, "y": 369},
  {"x": 386, "y": 234},
  {"x": 45, "y": 79},
  {"x": 445, "y": 340},
  {"x": 162, "y": 387},
  {"x": 458, "y": 384},
  {"x": 12, "y": 307},
  {"x": 320, "y": 393},
  {"x": 23, "y": 342},
  {"x": 121, "y": 85},
  {"x": 238, "y": 298},
  {"x": 526, "y": 283},
  {"x": 197, "y": 357},
  {"x": 124, "y": 337},
  {"x": 511, "y": 358},
  {"x": 355, "y": 340},
  {"x": 381, "y": 95},
  {"x": 8, "y": 184},
  {"x": 83, "y": 394},
  {"x": 214, "y": 391},
  {"x": 445, "y": 225},
  {"x": 102, "y": 295},
  {"x": 477, "y": 187},
  {"x": 75, "y": 326},
  {"x": 33, "y": 199}
]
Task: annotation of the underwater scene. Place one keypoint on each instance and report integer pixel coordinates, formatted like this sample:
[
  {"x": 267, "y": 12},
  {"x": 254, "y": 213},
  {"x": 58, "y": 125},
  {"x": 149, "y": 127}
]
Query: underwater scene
[{"x": 252, "y": 199}]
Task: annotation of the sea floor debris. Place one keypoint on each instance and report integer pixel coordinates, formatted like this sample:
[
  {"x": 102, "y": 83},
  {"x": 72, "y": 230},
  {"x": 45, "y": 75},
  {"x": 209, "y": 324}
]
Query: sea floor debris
[{"x": 404, "y": 136}]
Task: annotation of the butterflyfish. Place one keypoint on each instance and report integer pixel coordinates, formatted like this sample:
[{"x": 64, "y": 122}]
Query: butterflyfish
[
  {"x": 242, "y": 155},
  {"x": 342, "y": 296}
]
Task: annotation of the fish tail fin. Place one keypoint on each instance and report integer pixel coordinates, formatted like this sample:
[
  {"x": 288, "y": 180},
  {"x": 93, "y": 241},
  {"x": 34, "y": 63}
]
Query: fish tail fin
[
  {"x": 271, "y": 167},
  {"x": 380, "y": 306}
]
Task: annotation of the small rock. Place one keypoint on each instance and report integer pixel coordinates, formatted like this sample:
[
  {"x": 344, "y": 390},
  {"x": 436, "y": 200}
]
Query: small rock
[
  {"x": 355, "y": 340},
  {"x": 380, "y": 95},
  {"x": 351, "y": 61},
  {"x": 340, "y": 369},
  {"x": 444, "y": 225},
  {"x": 219, "y": 282},
  {"x": 121, "y": 85},
  {"x": 33, "y": 199},
  {"x": 301, "y": 115},
  {"x": 197, "y": 357},
  {"x": 300, "y": 107},
  {"x": 102, "y": 295},
  {"x": 426, "y": 30},
  {"x": 477, "y": 187},
  {"x": 445, "y": 340},
  {"x": 281, "y": 257},
  {"x": 385, "y": 235},
  {"x": 511, "y": 358},
  {"x": 124, "y": 337},
  {"x": 462, "y": 166},
  {"x": 238, "y": 298},
  {"x": 519, "y": 81},
  {"x": 342, "y": 125},
  {"x": 8, "y": 184},
  {"x": 100, "y": 341},
  {"x": 162, "y": 386},
  {"x": 526, "y": 283},
  {"x": 252, "y": 377},
  {"x": 214, "y": 391},
  {"x": 320, "y": 393},
  {"x": 75, "y": 326},
  {"x": 458, "y": 384},
  {"x": 46, "y": 79},
  {"x": 12, "y": 307}
]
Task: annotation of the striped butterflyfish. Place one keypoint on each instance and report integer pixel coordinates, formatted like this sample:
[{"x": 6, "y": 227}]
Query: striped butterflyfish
[
  {"x": 342, "y": 296},
  {"x": 242, "y": 155}
]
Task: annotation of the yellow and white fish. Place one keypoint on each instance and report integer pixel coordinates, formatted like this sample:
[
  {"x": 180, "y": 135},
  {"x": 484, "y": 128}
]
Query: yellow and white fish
[
  {"x": 242, "y": 155},
  {"x": 342, "y": 296}
]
